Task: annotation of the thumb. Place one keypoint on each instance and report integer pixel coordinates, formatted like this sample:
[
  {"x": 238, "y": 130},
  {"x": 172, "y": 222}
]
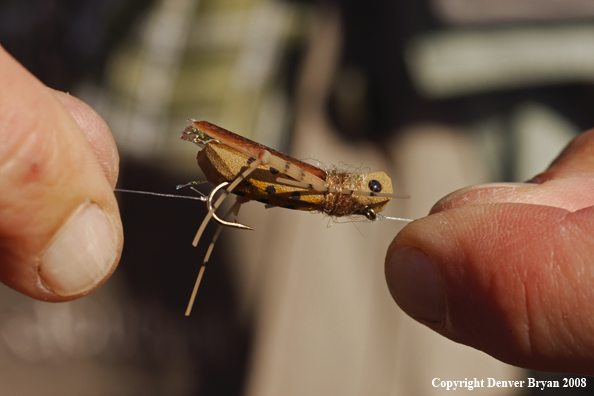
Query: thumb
[
  {"x": 60, "y": 231},
  {"x": 507, "y": 269}
]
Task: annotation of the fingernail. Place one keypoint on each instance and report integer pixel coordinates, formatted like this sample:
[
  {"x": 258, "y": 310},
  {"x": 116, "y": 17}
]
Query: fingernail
[
  {"x": 82, "y": 253},
  {"x": 415, "y": 284}
]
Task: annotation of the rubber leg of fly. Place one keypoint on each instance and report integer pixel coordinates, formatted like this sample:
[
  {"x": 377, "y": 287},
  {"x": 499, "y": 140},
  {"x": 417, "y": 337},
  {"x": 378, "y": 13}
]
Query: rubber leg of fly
[
  {"x": 234, "y": 209},
  {"x": 195, "y": 291}
]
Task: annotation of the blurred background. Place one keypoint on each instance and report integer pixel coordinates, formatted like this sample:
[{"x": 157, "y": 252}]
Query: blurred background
[{"x": 439, "y": 94}]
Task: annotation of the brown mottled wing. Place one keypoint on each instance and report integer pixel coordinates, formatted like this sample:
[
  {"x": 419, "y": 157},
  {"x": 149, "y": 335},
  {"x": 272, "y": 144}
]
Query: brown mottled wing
[{"x": 288, "y": 165}]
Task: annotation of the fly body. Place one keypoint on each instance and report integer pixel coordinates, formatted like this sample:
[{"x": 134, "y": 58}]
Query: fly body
[
  {"x": 285, "y": 181},
  {"x": 253, "y": 171}
]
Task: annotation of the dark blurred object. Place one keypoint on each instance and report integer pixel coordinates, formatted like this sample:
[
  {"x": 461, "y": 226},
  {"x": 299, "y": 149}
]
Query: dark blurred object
[
  {"x": 373, "y": 94},
  {"x": 62, "y": 42}
]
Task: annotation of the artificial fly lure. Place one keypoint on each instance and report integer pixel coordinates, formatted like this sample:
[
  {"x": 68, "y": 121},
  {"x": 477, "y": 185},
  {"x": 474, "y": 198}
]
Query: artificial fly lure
[{"x": 255, "y": 172}]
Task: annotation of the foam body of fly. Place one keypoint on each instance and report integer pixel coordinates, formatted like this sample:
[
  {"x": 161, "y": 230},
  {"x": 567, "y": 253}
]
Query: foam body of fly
[
  {"x": 222, "y": 163},
  {"x": 224, "y": 159}
]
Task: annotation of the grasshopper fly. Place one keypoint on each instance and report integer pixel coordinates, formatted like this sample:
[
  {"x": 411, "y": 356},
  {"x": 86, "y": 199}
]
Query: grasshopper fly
[{"x": 253, "y": 171}]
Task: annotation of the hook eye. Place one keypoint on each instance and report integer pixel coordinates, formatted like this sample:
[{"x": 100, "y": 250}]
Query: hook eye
[
  {"x": 214, "y": 215},
  {"x": 370, "y": 214}
]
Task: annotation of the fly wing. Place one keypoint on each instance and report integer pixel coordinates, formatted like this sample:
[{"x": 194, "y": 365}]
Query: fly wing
[{"x": 284, "y": 163}]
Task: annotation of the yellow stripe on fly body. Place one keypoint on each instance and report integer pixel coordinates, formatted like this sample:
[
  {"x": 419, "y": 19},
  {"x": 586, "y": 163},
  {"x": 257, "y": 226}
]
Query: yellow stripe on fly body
[{"x": 255, "y": 172}]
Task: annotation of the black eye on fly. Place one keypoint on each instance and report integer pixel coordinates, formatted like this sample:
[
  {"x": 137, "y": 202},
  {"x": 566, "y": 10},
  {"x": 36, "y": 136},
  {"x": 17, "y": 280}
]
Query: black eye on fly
[{"x": 375, "y": 186}]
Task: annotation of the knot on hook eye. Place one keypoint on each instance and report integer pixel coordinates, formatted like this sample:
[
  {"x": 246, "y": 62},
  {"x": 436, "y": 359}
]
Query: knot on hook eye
[{"x": 370, "y": 214}]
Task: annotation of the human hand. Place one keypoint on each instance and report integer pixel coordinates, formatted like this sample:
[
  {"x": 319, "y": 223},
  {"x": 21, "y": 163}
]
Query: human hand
[
  {"x": 60, "y": 230},
  {"x": 508, "y": 269}
]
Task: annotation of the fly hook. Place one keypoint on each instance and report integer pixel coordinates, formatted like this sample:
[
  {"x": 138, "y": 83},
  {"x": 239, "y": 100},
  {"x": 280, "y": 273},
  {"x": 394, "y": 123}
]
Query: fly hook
[{"x": 214, "y": 215}]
